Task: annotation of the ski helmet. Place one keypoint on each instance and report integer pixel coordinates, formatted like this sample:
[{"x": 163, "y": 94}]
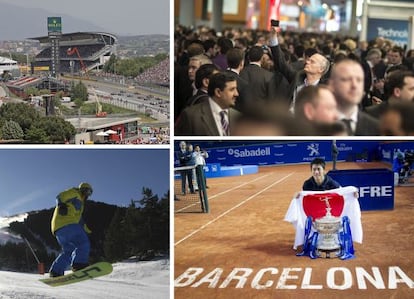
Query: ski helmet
[{"x": 86, "y": 189}]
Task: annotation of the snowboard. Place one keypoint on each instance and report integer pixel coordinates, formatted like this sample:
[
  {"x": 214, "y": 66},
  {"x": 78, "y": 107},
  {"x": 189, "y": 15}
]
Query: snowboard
[{"x": 92, "y": 271}]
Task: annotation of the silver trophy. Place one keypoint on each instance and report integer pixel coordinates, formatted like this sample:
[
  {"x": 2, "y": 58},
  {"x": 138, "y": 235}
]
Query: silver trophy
[{"x": 328, "y": 227}]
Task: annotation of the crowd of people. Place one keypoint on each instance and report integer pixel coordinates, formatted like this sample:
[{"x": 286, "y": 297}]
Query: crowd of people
[
  {"x": 273, "y": 83},
  {"x": 402, "y": 166},
  {"x": 158, "y": 74}
]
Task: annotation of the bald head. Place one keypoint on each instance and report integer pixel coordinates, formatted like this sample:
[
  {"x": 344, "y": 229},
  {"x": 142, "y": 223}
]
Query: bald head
[{"x": 317, "y": 64}]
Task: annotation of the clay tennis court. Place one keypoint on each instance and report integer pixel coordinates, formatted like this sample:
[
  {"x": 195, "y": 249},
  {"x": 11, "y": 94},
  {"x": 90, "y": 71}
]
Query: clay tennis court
[{"x": 243, "y": 248}]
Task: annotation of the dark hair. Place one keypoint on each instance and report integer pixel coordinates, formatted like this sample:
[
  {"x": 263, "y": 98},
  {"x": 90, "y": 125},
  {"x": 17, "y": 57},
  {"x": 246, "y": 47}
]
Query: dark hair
[
  {"x": 195, "y": 48},
  {"x": 326, "y": 51},
  {"x": 318, "y": 161},
  {"x": 208, "y": 44},
  {"x": 219, "y": 80},
  {"x": 205, "y": 71},
  {"x": 308, "y": 94},
  {"x": 299, "y": 51},
  {"x": 406, "y": 111},
  {"x": 310, "y": 51},
  {"x": 242, "y": 41},
  {"x": 255, "y": 53},
  {"x": 395, "y": 80},
  {"x": 398, "y": 67},
  {"x": 234, "y": 57},
  {"x": 330, "y": 129},
  {"x": 225, "y": 44},
  {"x": 398, "y": 49}
]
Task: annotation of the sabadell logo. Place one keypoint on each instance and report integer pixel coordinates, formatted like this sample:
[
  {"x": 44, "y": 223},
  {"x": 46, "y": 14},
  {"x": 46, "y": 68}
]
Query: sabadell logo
[{"x": 241, "y": 153}]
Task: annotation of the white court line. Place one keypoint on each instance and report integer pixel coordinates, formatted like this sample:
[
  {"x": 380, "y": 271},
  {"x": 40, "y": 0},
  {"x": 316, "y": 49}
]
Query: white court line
[
  {"x": 224, "y": 192},
  {"x": 236, "y": 187},
  {"x": 231, "y": 209}
]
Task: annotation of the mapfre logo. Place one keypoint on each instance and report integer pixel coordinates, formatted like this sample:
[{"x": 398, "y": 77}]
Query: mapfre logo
[{"x": 375, "y": 191}]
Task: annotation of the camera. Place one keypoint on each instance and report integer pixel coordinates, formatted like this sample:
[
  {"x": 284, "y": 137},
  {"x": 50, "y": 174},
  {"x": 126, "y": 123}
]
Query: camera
[{"x": 274, "y": 23}]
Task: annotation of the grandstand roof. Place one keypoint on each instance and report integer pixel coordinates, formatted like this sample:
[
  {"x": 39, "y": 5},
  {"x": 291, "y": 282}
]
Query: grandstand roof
[
  {"x": 97, "y": 123},
  {"x": 6, "y": 60},
  {"x": 67, "y": 37},
  {"x": 24, "y": 81}
]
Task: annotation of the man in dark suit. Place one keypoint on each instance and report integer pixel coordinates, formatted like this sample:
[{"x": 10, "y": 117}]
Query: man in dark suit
[
  {"x": 347, "y": 83},
  {"x": 215, "y": 116},
  {"x": 185, "y": 157},
  {"x": 260, "y": 81},
  {"x": 235, "y": 61}
]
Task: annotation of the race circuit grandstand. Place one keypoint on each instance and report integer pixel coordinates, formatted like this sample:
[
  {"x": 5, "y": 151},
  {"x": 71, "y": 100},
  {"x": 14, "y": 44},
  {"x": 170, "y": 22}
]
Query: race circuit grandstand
[{"x": 85, "y": 51}]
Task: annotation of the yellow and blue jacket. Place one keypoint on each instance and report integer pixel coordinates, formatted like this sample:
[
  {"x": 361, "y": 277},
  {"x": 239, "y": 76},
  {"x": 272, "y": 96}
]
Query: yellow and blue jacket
[{"x": 73, "y": 203}]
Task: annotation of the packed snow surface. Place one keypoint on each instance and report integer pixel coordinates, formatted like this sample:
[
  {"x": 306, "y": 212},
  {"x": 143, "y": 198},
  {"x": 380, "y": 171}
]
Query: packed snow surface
[{"x": 146, "y": 279}]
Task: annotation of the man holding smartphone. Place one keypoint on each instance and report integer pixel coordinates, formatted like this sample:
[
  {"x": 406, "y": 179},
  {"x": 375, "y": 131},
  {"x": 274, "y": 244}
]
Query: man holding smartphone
[{"x": 313, "y": 72}]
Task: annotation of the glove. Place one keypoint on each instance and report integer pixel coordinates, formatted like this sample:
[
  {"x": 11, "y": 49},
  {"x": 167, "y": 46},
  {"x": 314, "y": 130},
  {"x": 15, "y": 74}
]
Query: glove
[
  {"x": 86, "y": 228},
  {"x": 62, "y": 209}
]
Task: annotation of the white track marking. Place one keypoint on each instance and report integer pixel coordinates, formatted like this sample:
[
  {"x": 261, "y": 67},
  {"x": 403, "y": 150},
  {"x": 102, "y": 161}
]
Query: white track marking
[{"x": 231, "y": 209}]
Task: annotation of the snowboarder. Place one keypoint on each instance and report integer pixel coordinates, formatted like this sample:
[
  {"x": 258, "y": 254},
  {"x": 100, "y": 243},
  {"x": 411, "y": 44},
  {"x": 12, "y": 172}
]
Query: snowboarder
[{"x": 70, "y": 230}]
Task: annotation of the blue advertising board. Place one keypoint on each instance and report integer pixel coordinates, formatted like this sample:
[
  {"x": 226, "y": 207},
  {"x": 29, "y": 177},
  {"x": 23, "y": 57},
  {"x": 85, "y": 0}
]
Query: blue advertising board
[
  {"x": 375, "y": 186},
  {"x": 292, "y": 152},
  {"x": 387, "y": 149},
  {"x": 395, "y": 30}
]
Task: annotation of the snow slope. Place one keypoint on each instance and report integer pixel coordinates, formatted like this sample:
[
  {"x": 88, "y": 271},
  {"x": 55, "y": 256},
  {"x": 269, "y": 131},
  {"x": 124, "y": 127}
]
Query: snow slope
[
  {"x": 5, "y": 235},
  {"x": 149, "y": 280}
]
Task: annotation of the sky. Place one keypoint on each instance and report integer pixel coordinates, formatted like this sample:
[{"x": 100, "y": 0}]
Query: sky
[
  {"x": 126, "y": 17},
  {"x": 30, "y": 179}
]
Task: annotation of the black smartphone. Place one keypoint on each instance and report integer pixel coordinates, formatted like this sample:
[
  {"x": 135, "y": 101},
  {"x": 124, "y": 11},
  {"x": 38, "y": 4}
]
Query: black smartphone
[{"x": 274, "y": 23}]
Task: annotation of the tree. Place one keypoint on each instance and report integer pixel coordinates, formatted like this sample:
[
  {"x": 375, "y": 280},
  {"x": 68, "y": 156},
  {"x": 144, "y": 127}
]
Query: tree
[
  {"x": 31, "y": 91},
  {"x": 109, "y": 66},
  {"x": 37, "y": 135},
  {"x": 21, "y": 113},
  {"x": 80, "y": 92},
  {"x": 56, "y": 130},
  {"x": 12, "y": 131},
  {"x": 115, "y": 241},
  {"x": 142, "y": 230}
]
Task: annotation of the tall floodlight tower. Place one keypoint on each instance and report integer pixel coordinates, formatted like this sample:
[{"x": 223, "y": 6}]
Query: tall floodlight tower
[{"x": 54, "y": 29}]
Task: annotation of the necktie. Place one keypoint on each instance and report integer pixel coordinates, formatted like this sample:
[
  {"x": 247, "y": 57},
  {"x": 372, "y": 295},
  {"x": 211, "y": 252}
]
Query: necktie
[
  {"x": 347, "y": 123},
  {"x": 224, "y": 122}
]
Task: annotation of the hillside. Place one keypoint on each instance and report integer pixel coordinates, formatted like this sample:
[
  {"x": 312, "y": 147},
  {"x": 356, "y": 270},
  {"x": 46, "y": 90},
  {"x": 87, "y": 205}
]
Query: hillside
[{"x": 117, "y": 233}]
